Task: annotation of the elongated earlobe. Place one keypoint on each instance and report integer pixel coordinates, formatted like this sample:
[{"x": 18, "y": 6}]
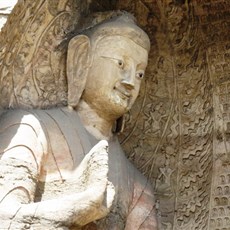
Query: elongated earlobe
[{"x": 78, "y": 64}]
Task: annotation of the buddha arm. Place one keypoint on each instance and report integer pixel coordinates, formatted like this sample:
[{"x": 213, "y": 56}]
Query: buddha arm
[{"x": 22, "y": 150}]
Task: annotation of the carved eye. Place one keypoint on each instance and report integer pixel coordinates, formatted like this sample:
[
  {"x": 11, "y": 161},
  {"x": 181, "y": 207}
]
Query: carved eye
[
  {"x": 121, "y": 64},
  {"x": 140, "y": 75}
]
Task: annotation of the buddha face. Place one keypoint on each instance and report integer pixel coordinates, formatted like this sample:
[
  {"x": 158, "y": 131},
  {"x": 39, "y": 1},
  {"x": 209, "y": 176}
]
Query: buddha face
[{"x": 114, "y": 79}]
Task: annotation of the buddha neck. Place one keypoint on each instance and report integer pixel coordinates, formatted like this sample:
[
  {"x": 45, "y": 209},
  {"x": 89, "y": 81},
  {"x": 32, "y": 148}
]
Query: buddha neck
[{"x": 96, "y": 124}]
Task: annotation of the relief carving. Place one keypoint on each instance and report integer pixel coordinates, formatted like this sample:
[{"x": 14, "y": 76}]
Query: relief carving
[
  {"x": 177, "y": 133},
  {"x": 177, "y": 117}
]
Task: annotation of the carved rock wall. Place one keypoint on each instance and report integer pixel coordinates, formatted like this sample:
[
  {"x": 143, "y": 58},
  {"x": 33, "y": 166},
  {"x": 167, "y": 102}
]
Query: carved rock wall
[
  {"x": 33, "y": 53},
  {"x": 178, "y": 131}
]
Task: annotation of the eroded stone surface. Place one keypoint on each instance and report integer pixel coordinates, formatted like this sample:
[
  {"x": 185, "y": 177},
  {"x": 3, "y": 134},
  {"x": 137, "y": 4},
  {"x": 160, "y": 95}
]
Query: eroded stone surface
[{"x": 177, "y": 133}]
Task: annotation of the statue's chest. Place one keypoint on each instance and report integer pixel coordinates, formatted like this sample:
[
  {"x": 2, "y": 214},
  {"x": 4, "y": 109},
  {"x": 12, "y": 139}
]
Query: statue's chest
[{"x": 68, "y": 145}]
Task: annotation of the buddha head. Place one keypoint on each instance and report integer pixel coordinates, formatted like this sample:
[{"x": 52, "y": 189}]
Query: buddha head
[{"x": 106, "y": 64}]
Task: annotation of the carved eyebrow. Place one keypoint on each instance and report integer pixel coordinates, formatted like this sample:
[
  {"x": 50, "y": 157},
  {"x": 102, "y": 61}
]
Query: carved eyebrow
[
  {"x": 103, "y": 56},
  {"x": 141, "y": 65}
]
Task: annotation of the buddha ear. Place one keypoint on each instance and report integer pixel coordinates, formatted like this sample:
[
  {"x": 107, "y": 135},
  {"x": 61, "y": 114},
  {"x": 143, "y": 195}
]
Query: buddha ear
[{"x": 78, "y": 63}]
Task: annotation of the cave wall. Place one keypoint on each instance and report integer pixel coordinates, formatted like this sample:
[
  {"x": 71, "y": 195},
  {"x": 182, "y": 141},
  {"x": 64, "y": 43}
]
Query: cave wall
[
  {"x": 178, "y": 132},
  {"x": 180, "y": 124}
]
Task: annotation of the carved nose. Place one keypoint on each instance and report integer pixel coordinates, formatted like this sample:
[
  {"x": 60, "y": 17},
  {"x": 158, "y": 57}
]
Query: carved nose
[
  {"x": 128, "y": 80},
  {"x": 127, "y": 84}
]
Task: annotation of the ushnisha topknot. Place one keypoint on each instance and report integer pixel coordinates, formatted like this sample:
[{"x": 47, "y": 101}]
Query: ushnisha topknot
[{"x": 121, "y": 25}]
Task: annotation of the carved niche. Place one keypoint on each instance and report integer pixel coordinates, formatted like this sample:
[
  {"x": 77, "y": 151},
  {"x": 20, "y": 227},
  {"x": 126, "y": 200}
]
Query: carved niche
[{"x": 178, "y": 132}]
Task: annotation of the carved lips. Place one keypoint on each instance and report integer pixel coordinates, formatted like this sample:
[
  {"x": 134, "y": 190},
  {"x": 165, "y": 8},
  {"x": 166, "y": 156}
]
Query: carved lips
[{"x": 123, "y": 92}]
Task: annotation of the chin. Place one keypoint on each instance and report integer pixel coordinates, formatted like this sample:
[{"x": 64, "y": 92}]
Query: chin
[
  {"x": 118, "y": 109},
  {"x": 117, "y": 105}
]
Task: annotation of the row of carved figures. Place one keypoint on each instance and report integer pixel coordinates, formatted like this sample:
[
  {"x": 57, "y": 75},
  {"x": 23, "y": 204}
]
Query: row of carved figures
[
  {"x": 220, "y": 223},
  {"x": 222, "y": 190},
  {"x": 224, "y": 179},
  {"x": 222, "y": 211},
  {"x": 221, "y": 201}
]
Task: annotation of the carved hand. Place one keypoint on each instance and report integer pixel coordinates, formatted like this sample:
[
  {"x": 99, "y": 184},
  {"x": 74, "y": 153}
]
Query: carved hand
[
  {"x": 92, "y": 200},
  {"x": 92, "y": 178}
]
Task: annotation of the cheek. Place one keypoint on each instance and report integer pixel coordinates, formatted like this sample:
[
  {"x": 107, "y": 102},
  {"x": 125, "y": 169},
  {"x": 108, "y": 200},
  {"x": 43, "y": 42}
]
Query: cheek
[
  {"x": 98, "y": 80},
  {"x": 101, "y": 75}
]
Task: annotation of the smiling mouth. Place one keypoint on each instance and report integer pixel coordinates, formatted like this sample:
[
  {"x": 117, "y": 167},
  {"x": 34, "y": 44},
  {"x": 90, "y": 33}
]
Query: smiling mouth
[{"x": 123, "y": 92}]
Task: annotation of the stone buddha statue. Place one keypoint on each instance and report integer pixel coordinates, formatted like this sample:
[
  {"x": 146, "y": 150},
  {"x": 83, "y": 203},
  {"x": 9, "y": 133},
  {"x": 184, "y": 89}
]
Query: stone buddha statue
[{"x": 63, "y": 168}]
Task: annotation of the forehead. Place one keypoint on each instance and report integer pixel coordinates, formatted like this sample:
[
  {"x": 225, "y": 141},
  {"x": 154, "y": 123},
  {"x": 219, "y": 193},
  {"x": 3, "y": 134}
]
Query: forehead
[{"x": 121, "y": 46}]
